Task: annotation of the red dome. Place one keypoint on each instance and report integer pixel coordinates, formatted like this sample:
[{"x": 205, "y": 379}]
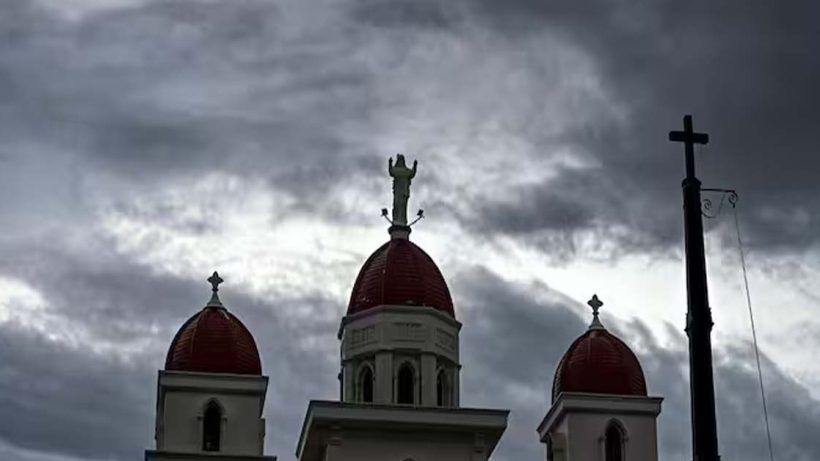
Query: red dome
[
  {"x": 214, "y": 341},
  {"x": 400, "y": 272},
  {"x": 600, "y": 363}
]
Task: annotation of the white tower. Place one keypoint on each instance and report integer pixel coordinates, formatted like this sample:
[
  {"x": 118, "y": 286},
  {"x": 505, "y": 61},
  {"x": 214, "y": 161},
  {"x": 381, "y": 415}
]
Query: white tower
[
  {"x": 400, "y": 369},
  {"x": 600, "y": 409},
  {"x": 211, "y": 395}
]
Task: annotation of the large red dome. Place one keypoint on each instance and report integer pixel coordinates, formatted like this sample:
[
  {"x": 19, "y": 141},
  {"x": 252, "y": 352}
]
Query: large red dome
[
  {"x": 400, "y": 273},
  {"x": 214, "y": 341},
  {"x": 598, "y": 362}
]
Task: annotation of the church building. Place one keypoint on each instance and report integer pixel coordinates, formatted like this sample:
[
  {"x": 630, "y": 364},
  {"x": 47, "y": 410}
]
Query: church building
[{"x": 399, "y": 379}]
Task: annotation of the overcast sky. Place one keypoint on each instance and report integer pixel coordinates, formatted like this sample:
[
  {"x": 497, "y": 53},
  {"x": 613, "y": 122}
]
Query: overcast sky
[{"x": 146, "y": 143}]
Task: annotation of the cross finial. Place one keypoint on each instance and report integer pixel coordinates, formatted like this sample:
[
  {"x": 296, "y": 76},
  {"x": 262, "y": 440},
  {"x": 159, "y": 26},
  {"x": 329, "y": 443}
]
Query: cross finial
[
  {"x": 215, "y": 280},
  {"x": 689, "y": 138},
  {"x": 595, "y": 304}
]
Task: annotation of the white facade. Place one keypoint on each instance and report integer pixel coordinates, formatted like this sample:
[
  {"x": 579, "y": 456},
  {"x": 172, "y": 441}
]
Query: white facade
[
  {"x": 580, "y": 426},
  {"x": 213, "y": 416},
  {"x": 400, "y": 393},
  {"x": 336, "y": 431},
  {"x": 384, "y": 344}
]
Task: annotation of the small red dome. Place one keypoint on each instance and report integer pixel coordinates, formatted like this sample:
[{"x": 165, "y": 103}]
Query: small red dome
[
  {"x": 400, "y": 273},
  {"x": 214, "y": 341},
  {"x": 598, "y": 362}
]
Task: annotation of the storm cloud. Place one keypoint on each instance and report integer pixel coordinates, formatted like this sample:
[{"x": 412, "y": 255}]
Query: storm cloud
[{"x": 146, "y": 143}]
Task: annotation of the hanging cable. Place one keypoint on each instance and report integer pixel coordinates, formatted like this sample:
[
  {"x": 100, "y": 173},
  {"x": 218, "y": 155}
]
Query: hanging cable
[{"x": 754, "y": 334}]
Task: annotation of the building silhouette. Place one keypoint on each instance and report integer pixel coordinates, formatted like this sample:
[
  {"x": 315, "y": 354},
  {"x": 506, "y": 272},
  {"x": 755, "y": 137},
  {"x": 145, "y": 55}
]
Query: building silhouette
[{"x": 399, "y": 379}]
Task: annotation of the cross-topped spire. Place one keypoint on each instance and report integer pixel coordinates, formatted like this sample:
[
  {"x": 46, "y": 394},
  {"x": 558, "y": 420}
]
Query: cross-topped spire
[
  {"x": 215, "y": 280},
  {"x": 689, "y": 138},
  {"x": 595, "y": 304}
]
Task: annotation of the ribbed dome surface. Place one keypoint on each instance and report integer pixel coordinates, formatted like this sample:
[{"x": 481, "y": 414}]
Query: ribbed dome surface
[
  {"x": 598, "y": 362},
  {"x": 400, "y": 273},
  {"x": 214, "y": 341}
]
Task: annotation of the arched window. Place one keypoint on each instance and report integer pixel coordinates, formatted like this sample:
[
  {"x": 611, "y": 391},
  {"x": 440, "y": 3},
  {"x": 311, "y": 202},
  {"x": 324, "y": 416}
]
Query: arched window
[
  {"x": 405, "y": 385},
  {"x": 442, "y": 390},
  {"x": 211, "y": 427},
  {"x": 366, "y": 384},
  {"x": 614, "y": 442}
]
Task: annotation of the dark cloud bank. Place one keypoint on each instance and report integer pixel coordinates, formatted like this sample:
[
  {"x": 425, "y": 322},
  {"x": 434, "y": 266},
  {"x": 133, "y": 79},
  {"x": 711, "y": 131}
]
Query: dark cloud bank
[
  {"x": 88, "y": 405},
  {"x": 512, "y": 343},
  {"x": 744, "y": 69},
  {"x": 256, "y": 97},
  {"x": 74, "y": 401},
  {"x": 254, "y": 92}
]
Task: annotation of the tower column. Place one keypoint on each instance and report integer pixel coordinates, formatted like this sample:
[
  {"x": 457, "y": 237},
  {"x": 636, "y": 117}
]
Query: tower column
[
  {"x": 428, "y": 380},
  {"x": 348, "y": 383},
  {"x": 383, "y": 389},
  {"x": 457, "y": 386},
  {"x": 479, "y": 448},
  {"x": 334, "y": 449}
]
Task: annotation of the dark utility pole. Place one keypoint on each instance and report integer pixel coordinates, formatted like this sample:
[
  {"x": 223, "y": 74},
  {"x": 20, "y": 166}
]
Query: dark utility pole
[{"x": 699, "y": 316}]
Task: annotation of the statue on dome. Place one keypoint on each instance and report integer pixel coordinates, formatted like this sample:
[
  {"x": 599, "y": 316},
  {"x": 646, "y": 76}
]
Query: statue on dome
[{"x": 402, "y": 175}]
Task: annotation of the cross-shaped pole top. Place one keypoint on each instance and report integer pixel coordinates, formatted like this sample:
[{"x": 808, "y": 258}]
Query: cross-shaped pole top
[
  {"x": 215, "y": 280},
  {"x": 689, "y": 138},
  {"x": 595, "y": 304}
]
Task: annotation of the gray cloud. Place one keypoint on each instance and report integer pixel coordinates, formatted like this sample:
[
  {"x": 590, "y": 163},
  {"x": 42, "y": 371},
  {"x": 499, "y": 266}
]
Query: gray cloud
[
  {"x": 559, "y": 216},
  {"x": 73, "y": 401},
  {"x": 514, "y": 334},
  {"x": 534, "y": 210},
  {"x": 512, "y": 342},
  {"x": 745, "y": 72},
  {"x": 125, "y": 101},
  {"x": 169, "y": 89},
  {"x": 405, "y": 13},
  {"x": 178, "y": 88}
]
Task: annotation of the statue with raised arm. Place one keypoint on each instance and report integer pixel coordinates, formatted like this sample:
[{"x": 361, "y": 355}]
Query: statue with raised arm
[{"x": 401, "y": 187}]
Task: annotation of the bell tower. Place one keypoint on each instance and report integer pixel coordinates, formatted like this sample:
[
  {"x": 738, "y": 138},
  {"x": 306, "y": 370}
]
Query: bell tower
[
  {"x": 400, "y": 367},
  {"x": 600, "y": 408},
  {"x": 211, "y": 394},
  {"x": 399, "y": 339}
]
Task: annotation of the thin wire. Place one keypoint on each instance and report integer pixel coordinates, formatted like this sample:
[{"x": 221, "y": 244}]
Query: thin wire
[{"x": 754, "y": 336}]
